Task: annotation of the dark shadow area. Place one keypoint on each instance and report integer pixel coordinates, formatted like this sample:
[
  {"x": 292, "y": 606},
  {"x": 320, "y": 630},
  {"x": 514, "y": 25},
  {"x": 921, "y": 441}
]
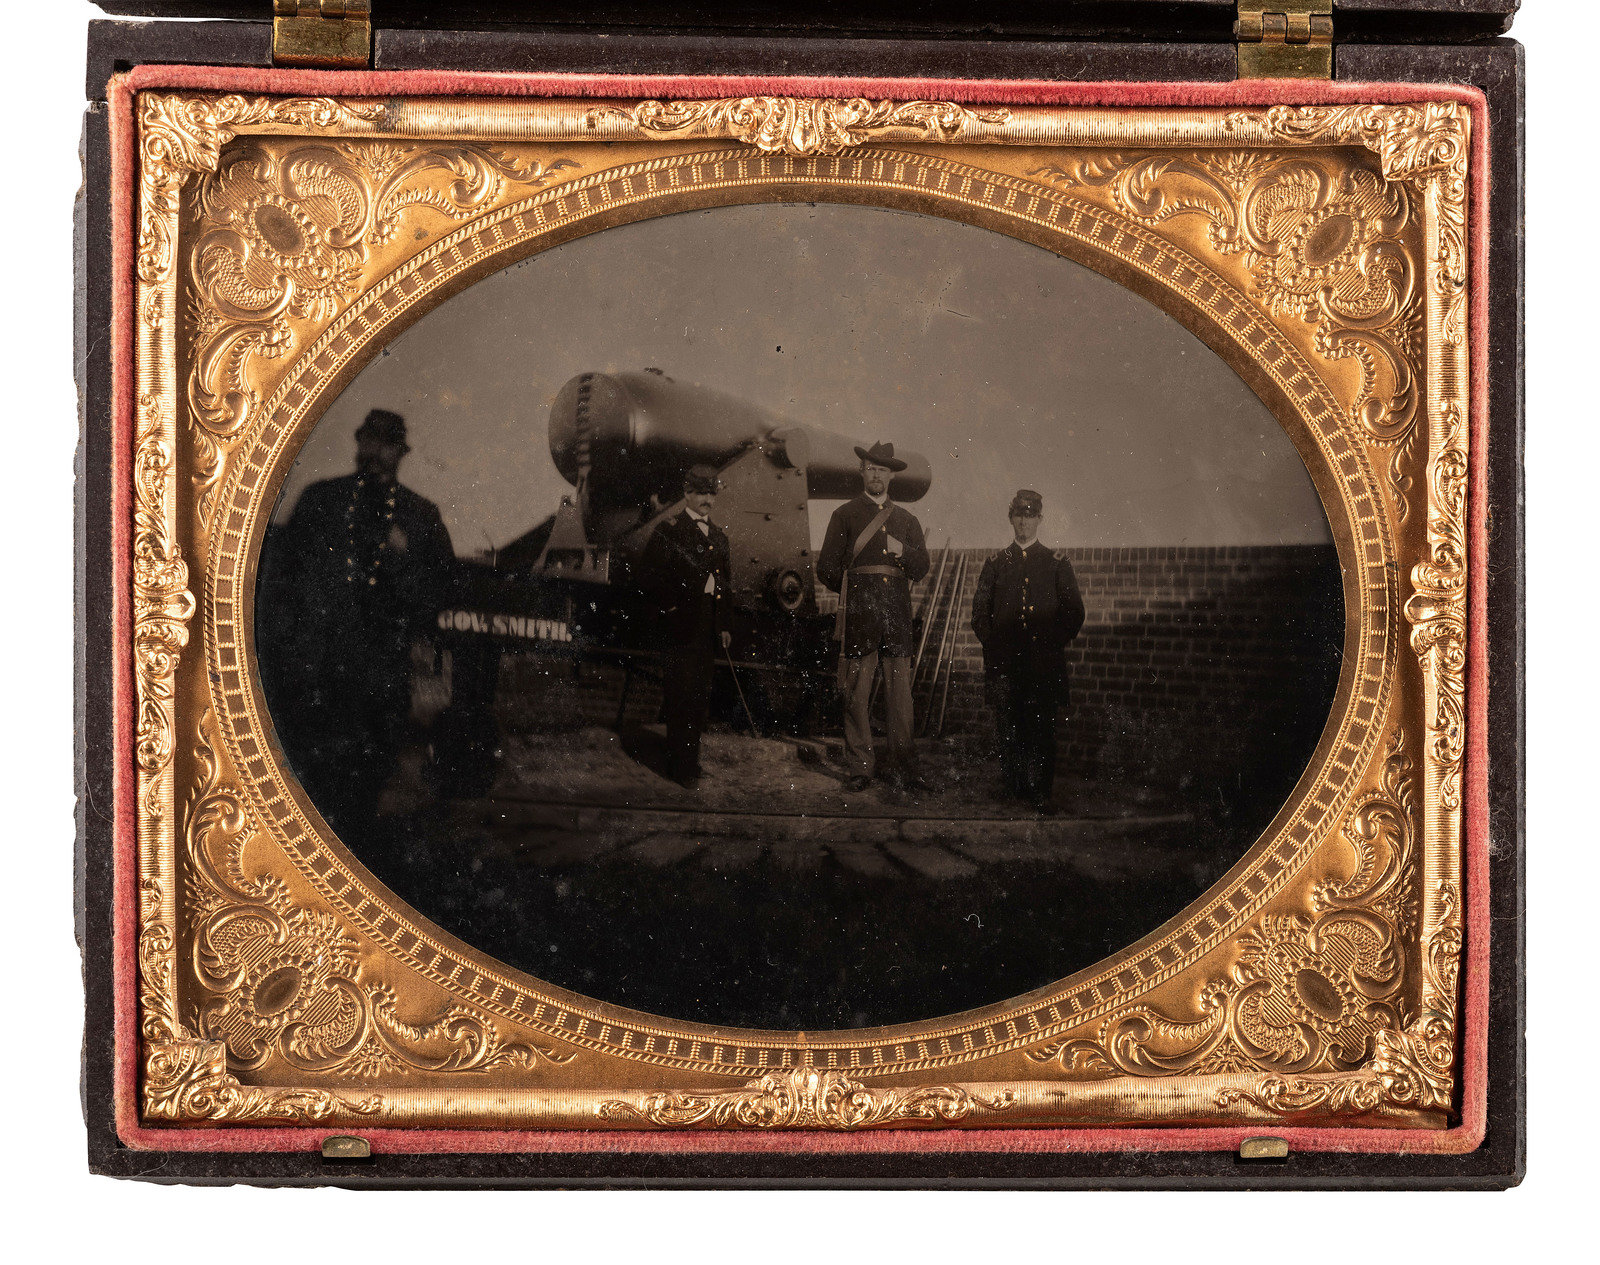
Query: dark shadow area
[
  {"x": 793, "y": 934},
  {"x": 771, "y": 898}
]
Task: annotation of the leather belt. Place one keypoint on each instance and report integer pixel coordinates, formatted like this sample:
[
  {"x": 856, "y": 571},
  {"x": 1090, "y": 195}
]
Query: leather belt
[{"x": 876, "y": 570}]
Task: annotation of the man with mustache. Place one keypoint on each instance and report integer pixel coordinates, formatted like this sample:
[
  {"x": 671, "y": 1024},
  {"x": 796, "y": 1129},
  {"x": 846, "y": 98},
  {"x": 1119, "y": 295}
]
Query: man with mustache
[
  {"x": 871, "y": 556},
  {"x": 687, "y": 565}
]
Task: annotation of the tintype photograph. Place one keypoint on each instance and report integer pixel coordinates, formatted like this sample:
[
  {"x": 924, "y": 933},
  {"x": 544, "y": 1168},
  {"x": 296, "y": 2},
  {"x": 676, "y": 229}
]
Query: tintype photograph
[
  {"x": 800, "y": 613},
  {"x": 798, "y": 616},
  {"x": 703, "y": 627}
]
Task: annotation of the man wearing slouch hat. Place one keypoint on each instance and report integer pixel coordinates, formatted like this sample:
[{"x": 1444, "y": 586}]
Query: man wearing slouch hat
[
  {"x": 871, "y": 556},
  {"x": 1025, "y": 611}
]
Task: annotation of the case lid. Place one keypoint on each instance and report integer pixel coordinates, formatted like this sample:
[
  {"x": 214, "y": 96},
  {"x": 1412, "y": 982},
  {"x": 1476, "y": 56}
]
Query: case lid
[{"x": 1355, "y": 21}]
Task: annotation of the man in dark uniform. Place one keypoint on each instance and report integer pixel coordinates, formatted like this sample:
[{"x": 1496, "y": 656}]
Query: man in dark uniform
[
  {"x": 360, "y": 568},
  {"x": 1025, "y": 611},
  {"x": 871, "y": 556},
  {"x": 686, "y": 565}
]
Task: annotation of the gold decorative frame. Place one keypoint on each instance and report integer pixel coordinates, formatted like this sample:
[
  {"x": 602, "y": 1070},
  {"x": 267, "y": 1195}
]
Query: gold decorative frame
[{"x": 1321, "y": 250}]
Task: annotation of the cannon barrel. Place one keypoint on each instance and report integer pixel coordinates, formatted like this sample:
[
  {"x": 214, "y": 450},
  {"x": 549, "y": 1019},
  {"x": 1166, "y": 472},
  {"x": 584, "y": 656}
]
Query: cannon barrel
[{"x": 636, "y": 434}]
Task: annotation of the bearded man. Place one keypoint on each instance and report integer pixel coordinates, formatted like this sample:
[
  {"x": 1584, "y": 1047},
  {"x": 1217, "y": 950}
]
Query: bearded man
[
  {"x": 871, "y": 556},
  {"x": 356, "y": 574}
]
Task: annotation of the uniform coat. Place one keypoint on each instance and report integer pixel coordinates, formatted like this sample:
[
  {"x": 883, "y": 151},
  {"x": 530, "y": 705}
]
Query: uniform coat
[
  {"x": 877, "y": 626},
  {"x": 1026, "y": 610},
  {"x": 675, "y": 564},
  {"x": 877, "y": 607},
  {"x": 357, "y": 573},
  {"x": 677, "y": 561}
]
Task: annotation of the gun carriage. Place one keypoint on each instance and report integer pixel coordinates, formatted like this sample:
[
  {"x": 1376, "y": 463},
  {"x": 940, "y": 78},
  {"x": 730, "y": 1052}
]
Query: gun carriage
[{"x": 571, "y": 588}]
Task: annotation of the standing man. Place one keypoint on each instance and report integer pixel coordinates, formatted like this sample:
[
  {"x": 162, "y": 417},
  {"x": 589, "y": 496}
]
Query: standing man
[
  {"x": 872, "y": 555},
  {"x": 687, "y": 566},
  {"x": 1027, "y": 608},
  {"x": 358, "y": 571}
]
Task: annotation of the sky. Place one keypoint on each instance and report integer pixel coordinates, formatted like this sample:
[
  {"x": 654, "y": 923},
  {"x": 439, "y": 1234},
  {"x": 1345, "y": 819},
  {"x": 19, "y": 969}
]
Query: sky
[{"x": 1006, "y": 365}]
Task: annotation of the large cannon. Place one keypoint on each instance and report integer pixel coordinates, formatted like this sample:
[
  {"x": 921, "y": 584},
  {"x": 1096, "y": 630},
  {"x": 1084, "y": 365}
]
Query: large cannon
[
  {"x": 570, "y": 586},
  {"x": 625, "y": 440}
]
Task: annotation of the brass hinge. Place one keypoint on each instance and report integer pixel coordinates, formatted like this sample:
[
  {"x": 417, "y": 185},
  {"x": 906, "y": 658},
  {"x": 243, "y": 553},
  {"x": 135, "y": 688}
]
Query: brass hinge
[
  {"x": 1291, "y": 40},
  {"x": 327, "y": 33}
]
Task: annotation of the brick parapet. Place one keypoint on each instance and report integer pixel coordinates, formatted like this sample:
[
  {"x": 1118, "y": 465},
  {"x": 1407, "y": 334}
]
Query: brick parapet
[{"x": 1193, "y": 662}]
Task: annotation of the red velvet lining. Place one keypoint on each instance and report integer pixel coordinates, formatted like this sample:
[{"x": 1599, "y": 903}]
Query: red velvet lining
[
  {"x": 124, "y": 778},
  {"x": 1475, "y": 984}
]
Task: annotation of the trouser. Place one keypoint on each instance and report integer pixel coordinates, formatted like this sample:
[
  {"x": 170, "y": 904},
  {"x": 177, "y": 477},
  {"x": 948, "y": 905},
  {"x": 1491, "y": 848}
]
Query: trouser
[
  {"x": 346, "y": 743},
  {"x": 686, "y": 699},
  {"x": 465, "y": 734},
  {"x": 1025, "y": 716},
  {"x": 856, "y": 677}
]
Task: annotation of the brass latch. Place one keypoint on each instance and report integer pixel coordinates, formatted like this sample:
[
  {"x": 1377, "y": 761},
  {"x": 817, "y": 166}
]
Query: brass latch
[
  {"x": 346, "y": 1147},
  {"x": 1291, "y": 40},
  {"x": 328, "y": 33}
]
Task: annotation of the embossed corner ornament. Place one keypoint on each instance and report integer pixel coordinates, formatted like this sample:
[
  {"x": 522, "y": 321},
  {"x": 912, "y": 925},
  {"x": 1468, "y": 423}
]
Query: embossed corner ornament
[
  {"x": 181, "y": 134},
  {"x": 188, "y": 1081},
  {"x": 805, "y": 1098},
  {"x": 280, "y": 985},
  {"x": 1315, "y": 1005},
  {"x": 264, "y": 227},
  {"x": 1309, "y": 992}
]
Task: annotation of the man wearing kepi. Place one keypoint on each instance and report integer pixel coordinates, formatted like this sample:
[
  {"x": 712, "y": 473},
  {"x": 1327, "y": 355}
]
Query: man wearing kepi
[
  {"x": 356, "y": 575},
  {"x": 686, "y": 565},
  {"x": 1026, "y": 609},
  {"x": 871, "y": 556}
]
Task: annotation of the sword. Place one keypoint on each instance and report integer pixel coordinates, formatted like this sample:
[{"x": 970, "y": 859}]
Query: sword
[{"x": 739, "y": 689}]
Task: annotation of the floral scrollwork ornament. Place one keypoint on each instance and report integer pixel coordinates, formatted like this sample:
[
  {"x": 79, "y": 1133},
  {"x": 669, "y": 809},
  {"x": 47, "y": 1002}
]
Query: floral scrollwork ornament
[
  {"x": 1410, "y": 1067},
  {"x": 158, "y": 1018},
  {"x": 286, "y": 238},
  {"x": 1437, "y": 607},
  {"x": 1306, "y": 992},
  {"x": 1418, "y": 145},
  {"x": 806, "y": 1098},
  {"x": 162, "y": 601},
  {"x": 804, "y": 127},
  {"x": 285, "y": 982},
  {"x": 180, "y": 134},
  {"x": 1323, "y": 243},
  {"x": 188, "y": 1080}
]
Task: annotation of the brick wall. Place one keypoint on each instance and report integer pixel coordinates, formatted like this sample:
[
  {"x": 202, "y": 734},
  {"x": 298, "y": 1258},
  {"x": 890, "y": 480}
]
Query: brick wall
[
  {"x": 1195, "y": 666},
  {"x": 1198, "y": 657}
]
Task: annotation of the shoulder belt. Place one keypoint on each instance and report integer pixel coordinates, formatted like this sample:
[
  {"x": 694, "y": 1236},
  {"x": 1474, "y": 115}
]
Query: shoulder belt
[
  {"x": 871, "y": 529},
  {"x": 867, "y": 533}
]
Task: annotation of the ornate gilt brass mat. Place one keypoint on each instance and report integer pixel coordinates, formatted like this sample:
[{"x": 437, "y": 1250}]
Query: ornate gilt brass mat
[{"x": 1308, "y": 973}]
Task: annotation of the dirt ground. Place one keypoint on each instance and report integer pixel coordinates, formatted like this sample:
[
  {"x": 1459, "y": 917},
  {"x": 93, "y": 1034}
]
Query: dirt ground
[{"x": 743, "y": 773}]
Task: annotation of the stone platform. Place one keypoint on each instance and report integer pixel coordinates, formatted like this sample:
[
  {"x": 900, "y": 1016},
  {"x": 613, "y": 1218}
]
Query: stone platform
[{"x": 772, "y": 897}]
